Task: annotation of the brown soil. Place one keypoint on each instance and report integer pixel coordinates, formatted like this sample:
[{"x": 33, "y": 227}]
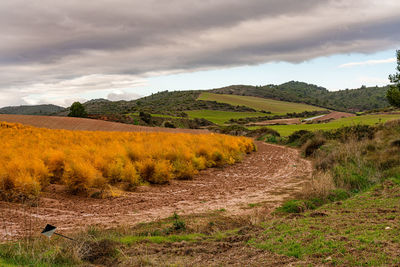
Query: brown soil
[
  {"x": 271, "y": 175},
  {"x": 69, "y": 123},
  {"x": 334, "y": 116}
]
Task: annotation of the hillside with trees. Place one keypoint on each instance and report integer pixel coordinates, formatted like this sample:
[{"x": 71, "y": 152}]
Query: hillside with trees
[{"x": 349, "y": 100}]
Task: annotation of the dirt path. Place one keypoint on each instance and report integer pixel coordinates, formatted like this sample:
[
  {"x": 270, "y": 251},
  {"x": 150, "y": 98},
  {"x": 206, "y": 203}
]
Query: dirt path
[{"x": 270, "y": 175}]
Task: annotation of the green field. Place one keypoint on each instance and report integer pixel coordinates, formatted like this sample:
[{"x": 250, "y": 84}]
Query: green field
[
  {"x": 220, "y": 117},
  {"x": 286, "y": 130},
  {"x": 274, "y": 106}
]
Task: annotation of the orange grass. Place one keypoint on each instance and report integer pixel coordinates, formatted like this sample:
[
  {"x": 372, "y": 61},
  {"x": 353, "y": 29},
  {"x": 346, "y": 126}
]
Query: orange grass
[{"x": 32, "y": 158}]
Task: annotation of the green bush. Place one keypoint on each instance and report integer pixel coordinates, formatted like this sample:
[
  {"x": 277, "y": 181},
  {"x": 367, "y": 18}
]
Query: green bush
[
  {"x": 292, "y": 206},
  {"x": 338, "y": 194}
]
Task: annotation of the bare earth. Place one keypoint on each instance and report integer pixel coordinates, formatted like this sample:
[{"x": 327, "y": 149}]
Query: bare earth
[
  {"x": 334, "y": 116},
  {"x": 271, "y": 175},
  {"x": 69, "y": 123}
]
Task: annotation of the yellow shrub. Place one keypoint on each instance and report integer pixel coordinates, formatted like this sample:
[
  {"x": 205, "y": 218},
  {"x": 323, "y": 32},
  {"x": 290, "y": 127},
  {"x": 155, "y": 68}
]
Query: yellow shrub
[
  {"x": 156, "y": 172},
  {"x": 80, "y": 176},
  {"x": 82, "y": 160},
  {"x": 55, "y": 162}
]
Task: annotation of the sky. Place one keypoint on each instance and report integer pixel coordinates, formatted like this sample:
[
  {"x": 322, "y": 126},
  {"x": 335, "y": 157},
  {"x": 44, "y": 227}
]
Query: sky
[{"x": 58, "y": 52}]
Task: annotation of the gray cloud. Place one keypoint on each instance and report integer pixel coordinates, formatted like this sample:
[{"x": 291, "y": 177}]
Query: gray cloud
[{"x": 49, "y": 45}]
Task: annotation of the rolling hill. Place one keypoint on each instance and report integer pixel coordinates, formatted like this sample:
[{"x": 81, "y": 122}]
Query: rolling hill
[
  {"x": 278, "y": 99},
  {"x": 349, "y": 100}
]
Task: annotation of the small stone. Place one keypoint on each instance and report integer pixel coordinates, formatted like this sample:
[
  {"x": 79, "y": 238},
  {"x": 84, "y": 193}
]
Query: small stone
[{"x": 387, "y": 228}]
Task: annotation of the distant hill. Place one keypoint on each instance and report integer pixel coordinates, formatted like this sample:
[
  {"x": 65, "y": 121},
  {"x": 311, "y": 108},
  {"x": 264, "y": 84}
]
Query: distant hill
[
  {"x": 173, "y": 103},
  {"x": 32, "y": 110},
  {"x": 350, "y": 100}
]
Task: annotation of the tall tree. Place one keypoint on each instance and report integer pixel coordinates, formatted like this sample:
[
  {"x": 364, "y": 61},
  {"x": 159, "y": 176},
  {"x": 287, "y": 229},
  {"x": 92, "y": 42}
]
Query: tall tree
[
  {"x": 393, "y": 94},
  {"x": 77, "y": 110}
]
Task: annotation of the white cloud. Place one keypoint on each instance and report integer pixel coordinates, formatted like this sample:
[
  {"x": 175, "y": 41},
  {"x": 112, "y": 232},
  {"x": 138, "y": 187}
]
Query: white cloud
[
  {"x": 122, "y": 95},
  {"x": 368, "y": 62}
]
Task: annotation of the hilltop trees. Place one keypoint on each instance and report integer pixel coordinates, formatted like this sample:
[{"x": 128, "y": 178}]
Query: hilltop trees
[
  {"x": 393, "y": 94},
  {"x": 77, "y": 110}
]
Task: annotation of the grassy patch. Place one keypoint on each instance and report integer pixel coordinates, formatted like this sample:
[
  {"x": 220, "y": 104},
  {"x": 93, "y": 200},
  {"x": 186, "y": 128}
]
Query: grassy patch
[
  {"x": 286, "y": 130},
  {"x": 363, "y": 230},
  {"x": 258, "y": 103},
  {"x": 220, "y": 117},
  {"x": 128, "y": 240}
]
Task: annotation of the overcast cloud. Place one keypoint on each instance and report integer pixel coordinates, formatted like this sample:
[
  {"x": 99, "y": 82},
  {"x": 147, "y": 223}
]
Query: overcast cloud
[{"x": 53, "y": 50}]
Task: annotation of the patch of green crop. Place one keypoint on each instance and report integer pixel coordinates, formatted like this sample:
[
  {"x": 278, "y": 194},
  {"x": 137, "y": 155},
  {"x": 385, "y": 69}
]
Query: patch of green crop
[{"x": 221, "y": 117}]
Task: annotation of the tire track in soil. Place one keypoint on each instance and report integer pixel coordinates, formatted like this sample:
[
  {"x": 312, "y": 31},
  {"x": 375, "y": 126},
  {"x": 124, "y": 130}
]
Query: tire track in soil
[{"x": 270, "y": 175}]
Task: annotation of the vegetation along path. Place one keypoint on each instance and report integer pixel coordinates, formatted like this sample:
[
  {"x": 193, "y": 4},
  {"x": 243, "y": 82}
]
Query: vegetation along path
[{"x": 270, "y": 175}]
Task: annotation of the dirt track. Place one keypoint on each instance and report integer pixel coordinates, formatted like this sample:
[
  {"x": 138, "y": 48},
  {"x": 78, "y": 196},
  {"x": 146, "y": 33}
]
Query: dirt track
[
  {"x": 69, "y": 123},
  {"x": 269, "y": 175}
]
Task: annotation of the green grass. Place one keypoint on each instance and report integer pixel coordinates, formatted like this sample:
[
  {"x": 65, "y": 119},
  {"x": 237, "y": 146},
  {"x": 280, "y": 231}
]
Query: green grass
[
  {"x": 258, "y": 103},
  {"x": 220, "y": 117},
  {"x": 128, "y": 240},
  {"x": 353, "y": 233},
  {"x": 4, "y": 263},
  {"x": 286, "y": 130}
]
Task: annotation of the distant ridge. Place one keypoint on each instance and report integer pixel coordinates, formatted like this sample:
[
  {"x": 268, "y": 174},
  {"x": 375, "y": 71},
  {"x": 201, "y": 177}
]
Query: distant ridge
[
  {"x": 176, "y": 102},
  {"x": 47, "y": 109}
]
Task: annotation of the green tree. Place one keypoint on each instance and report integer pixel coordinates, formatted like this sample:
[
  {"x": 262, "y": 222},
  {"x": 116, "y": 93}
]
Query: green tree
[
  {"x": 77, "y": 110},
  {"x": 393, "y": 94}
]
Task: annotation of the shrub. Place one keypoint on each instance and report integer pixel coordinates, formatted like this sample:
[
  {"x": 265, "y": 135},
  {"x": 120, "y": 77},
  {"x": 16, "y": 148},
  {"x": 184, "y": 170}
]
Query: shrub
[
  {"x": 263, "y": 131},
  {"x": 295, "y": 137},
  {"x": 80, "y": 176},
  {"x": 55, "y": 162},
  {"x": 292, "y": 206},
  {"x": 169, "y": 124},
  {"x": 146, "y": 117},
  {"x": 155, "y": 172},
  {"x": 178, "y": 224},
  {"x": 338, "y": 194},
  {"x": 312, "y": 145},
  {"x": 357, "y": 132}
]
